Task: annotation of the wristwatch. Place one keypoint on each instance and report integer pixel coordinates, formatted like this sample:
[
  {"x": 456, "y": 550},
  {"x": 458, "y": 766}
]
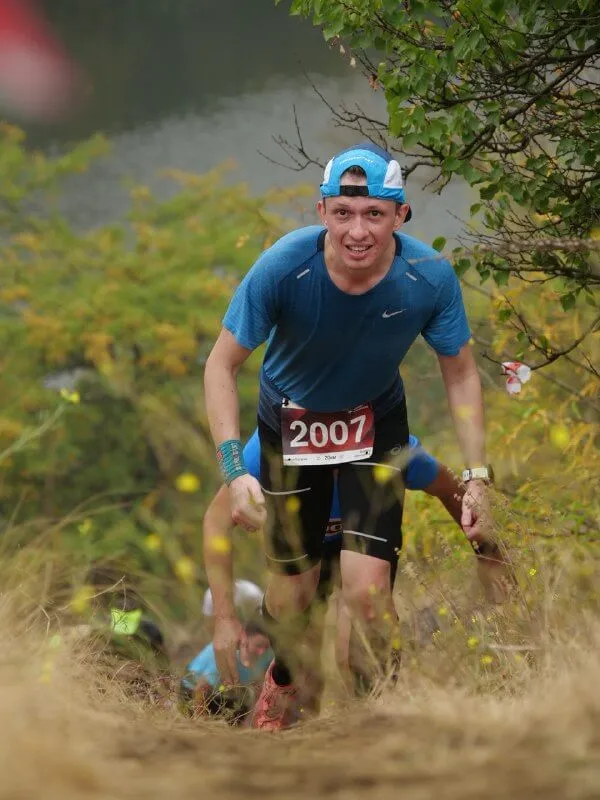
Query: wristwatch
[{"x": 485, "y": 474}]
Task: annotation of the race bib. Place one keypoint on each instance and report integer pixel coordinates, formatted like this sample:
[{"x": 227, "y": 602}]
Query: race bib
[{"x": 311, "y": 437}]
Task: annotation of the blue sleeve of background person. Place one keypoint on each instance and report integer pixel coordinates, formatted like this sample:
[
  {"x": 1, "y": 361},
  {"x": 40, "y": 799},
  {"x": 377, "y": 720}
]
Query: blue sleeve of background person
[
  {"x": 252, "y": 455},
  {"x": 205, "y": 666},
  {"x": 422, "y": 468},
  {"x": 254, "y": 307},
  {"x": 448, "y": 329}
]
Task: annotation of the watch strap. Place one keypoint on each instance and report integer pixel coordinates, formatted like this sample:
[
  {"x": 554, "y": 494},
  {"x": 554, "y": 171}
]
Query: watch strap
[{"x": 478, "y": 473}]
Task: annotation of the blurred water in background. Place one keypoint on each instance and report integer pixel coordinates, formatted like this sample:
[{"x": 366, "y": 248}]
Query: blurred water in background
[{"x": 187, "y": 84}]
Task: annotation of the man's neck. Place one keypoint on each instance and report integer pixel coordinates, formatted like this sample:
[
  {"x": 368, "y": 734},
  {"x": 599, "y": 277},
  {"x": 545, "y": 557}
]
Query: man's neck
[{"x": 357, "y": 281}]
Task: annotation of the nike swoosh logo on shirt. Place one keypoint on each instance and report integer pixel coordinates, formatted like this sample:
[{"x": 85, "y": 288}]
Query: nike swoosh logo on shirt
[{"x": 387, "y": 314}]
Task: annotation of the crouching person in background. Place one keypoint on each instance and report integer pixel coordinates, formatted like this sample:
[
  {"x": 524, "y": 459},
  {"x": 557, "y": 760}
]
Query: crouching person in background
[{"x": 202, "y": 691}]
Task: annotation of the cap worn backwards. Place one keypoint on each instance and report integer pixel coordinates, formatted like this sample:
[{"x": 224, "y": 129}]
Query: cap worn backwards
[{"x": 384, "y": 176}]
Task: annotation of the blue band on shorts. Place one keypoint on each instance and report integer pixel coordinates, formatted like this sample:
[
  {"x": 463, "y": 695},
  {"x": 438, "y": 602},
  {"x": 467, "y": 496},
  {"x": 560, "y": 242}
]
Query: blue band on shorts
[{"x": 422, "y": 469}]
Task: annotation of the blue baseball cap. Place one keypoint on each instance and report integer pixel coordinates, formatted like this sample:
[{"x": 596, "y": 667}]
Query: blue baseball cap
[{"x": 384, "y": 176}]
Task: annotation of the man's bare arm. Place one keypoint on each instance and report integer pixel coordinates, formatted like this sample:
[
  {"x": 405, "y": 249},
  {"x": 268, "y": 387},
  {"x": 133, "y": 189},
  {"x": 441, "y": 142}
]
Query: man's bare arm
[
  {"x": 465, "y": 399},
  {"x": 228, "y": 635},
  {"x": 463, "y": 388},
  {"x": 222, "y": 408},
  {"x": 220, "y": 387},
  {"x": 218, "y": 555}
]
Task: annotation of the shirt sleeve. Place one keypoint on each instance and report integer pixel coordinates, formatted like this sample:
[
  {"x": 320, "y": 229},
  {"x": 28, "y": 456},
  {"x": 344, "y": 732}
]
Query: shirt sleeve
[
  {"x": 447, "y": 330},
  {"x": 252, "y": 312},
  {"x": 205, "y": 666}
]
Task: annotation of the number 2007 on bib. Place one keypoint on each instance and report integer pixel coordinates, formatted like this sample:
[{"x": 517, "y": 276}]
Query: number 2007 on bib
[{"x": 312, "y": 438}]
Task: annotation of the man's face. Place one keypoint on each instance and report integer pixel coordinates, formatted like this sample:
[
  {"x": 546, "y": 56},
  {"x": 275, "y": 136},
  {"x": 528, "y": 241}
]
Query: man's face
[
  {"x": 258, "y": 644},
  {"x": 360, "y": 228}
]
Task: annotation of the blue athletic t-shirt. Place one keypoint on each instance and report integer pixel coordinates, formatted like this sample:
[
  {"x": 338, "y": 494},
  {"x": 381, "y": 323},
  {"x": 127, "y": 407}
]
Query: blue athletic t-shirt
[
  {"x": 421, "y": 470},
  {"x": 328, "y": 350}
]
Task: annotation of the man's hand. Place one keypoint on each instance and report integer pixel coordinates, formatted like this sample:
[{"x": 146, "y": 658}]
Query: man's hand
[
  {"x": 476, "y": 518},
  {"x": 247, "y": 503},
  {"x": 229, "y": 637}
]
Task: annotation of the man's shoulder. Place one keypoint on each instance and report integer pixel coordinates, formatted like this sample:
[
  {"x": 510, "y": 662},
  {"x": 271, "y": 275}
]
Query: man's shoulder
[
  {"x": 292, "y": 250},
  {"x": 426, "y": 262}
]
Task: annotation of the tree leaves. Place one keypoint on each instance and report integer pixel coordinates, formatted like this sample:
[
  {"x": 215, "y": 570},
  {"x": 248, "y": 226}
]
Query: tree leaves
[
  {"x": 124, "y": 312},
  {"x": 503, "y": 96}
]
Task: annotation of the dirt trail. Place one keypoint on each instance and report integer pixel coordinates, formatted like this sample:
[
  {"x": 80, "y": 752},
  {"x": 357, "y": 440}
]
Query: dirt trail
[{"x": 66, "y": 736}]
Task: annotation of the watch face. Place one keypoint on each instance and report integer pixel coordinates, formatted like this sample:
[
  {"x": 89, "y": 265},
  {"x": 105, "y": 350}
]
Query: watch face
[{"x": 479, "y": 473}]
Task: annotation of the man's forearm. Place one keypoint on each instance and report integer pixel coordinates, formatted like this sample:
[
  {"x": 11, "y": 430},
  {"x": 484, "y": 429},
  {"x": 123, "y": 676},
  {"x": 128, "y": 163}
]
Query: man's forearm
[
  {"x": 218, "y": 555},
  {"x": 466, "y": 406},
  {"x": 465, "y": 398},
  {"x": 222, "y": 407}
]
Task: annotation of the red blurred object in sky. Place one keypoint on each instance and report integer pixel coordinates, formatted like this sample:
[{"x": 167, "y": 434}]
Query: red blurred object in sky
[{"x": 37, "y": 78}]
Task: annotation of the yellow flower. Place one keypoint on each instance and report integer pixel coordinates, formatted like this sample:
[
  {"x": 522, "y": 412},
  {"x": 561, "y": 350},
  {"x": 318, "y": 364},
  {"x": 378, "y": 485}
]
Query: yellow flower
[
  {"x": 532, "y": 572},
  {"x": 559, "y": 436},
  {"x": 85, "y": 527},
  {"x": 396, "y": 644},
  {"x": 486, "y": 660},
  {"x": 187, "y": 483},
  {"x": 70, "y": 397},
  {"x": 81, "y": 599},
  {"x": 292, "y": 505},
  {"x": 185, "y": 569},
  {"x": 47, "y": 670},
  {"x": 443, "y": 611},
  {"x": 464, "y": 412},
  {"x": 382, "y": 473},
  {"x": 472, "y": 642},
  {"x": 220, "y": 544},
  {"x": 152, "y": 542},
  {"x": 242, "y": 240}
]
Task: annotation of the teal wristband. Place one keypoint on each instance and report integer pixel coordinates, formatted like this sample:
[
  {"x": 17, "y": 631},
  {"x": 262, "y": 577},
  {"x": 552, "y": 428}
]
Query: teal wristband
[{"x": 230, "y": 456}]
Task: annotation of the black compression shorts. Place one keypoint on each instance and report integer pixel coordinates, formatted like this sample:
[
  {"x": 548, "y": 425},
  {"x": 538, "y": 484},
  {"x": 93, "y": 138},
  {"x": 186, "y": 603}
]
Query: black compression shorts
[{"x": 299, "y": 500}]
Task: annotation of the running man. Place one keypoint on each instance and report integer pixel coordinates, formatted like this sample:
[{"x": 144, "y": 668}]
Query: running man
[
  {"x": 423, "y": 472},
  {"x": 340, "y": 305}
]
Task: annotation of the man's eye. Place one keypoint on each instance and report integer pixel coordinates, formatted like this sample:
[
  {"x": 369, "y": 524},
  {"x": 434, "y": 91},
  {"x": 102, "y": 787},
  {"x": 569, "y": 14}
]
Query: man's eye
[
  {"x": 341, "y": 212},
  {"x": 375, "y": 213}
]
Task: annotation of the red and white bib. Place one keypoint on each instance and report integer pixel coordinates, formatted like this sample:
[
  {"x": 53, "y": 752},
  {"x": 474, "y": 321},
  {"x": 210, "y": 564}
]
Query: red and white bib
[{"x": 310, "y": 437}]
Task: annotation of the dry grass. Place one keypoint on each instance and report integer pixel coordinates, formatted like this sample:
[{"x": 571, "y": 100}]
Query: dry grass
[{"x": 465, "y": 721}]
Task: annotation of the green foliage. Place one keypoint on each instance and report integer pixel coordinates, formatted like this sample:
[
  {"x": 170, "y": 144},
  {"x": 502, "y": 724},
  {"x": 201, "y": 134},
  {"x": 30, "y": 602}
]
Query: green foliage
[
  {"x": 502, "y": 95},
  {"x": 122, "y": 317}
]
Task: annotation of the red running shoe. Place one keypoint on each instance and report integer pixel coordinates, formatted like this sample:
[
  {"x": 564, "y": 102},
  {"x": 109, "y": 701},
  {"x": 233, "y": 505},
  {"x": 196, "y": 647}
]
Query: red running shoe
[{"x": 276, "y": 707}]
